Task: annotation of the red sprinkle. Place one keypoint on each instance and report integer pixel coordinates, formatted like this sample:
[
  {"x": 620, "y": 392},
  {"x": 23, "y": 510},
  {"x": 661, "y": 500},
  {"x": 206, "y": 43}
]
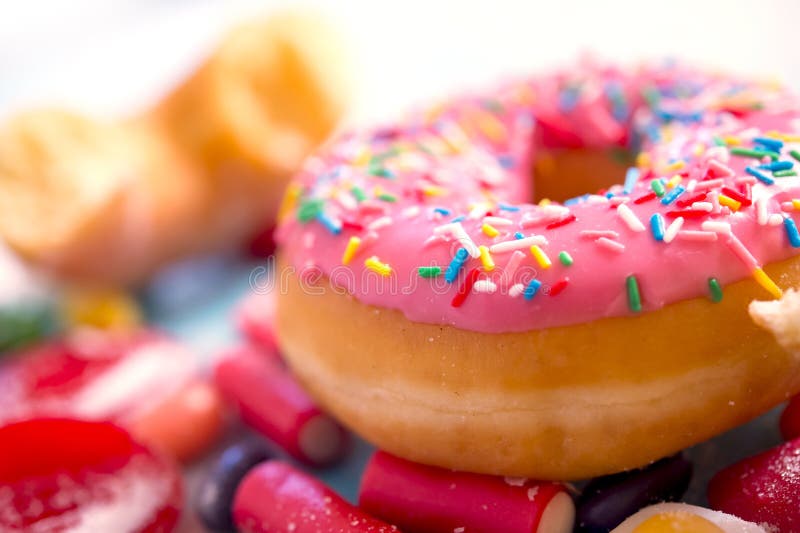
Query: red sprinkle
[
  {"x": 736, "y": 195},
  {"x": 563, "y": 222},
  {"x": 465, "y": 288},
  {"x": 689, "y": 201},
  {"x": 559, "y": 286},
  {"x": 646, "y": 198},
  {"x": 686, "y": 213},
  {"x": 349, "y": 224}
]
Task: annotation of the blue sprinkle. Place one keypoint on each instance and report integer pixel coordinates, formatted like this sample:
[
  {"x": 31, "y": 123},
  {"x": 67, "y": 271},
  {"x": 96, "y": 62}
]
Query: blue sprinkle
[
  {"x": 441, "y": 211},
  {"x": 576, "y": 200},
  {"x": 652, "y": 132},
  {"x": 657, "y": 226},
  {"x": 759, "y": 175},
  {"x": 672, "y": 195},
  {"x": 459, "y": 218},
  {"x": 771, "y": 144},
  {"x": 609, "y": 194},
  {"x": 532, "y": 288},
  {"x": 631, "y": 177},
  {"x": 505, "y": 207},
  {"x": 506, "y": 161},
  {"x": 518, "y": 235},
  {"x": 777, "y": 165},
  {"x": 568, "y": 99},
  {"x": 791, "y": 231},
  {"x": 329, "y": 224},
  {"x": 455, "y": 265}
]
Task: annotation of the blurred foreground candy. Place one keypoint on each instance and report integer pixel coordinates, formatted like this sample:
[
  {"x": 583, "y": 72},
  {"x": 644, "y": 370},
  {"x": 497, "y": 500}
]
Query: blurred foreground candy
[
  {"x": 608, "y": 500},
  {"x": 103, "y": 309},
  {"x": 274, "y": 496},
  {"x": 68, "y": 475},
  {"x": 790, "y": 419},
  {"x": 255, "y": 318},
  {"x": 132, "y": 377},
  {"x": 423, "y": 499},
  {"x": 273, "y": 403},
  {"x": 764, "y": 488},
  {"x": 23, "y": 324},
  {"x": 214, "y": 498},
  {"x": 684, "y": 518}
]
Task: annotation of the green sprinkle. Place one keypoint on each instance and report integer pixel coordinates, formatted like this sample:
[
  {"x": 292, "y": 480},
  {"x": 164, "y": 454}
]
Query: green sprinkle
[
  {"x": 795, "y": 154},
  {"x": 429, "y": 272},
  {"x": 784, "y": 173},
  {"x": 657, "y": 187},
  {"x": 358, "y": 192},
  {"x": 651, "y": 96},
  {"x": 715, "y": 289},
  {"x": 634, "y": 300},
  {"x": 621, "y": 156},
  {"x": 378, "y": 170},
  {"x": 757, "y": 154},
  {"x": 386, "y": 197},
  {"x": 565, "y": 258},
  {"x": 718, "y": 141},
  {"x": 309, "y": 209}
]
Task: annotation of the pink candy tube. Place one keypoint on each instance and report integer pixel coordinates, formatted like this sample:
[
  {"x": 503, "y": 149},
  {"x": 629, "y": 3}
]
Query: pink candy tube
[
  {"x": 427, "y": 499},
  {"x": 271, "y": 402},
  {"x": 276, "y": 497}
]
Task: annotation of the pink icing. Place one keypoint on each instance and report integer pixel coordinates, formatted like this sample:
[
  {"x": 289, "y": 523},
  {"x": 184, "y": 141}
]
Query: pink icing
[{"x": 472, "y": 158}]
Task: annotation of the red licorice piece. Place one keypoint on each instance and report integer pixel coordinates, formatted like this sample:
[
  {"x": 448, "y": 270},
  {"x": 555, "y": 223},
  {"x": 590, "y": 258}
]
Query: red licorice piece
[
  {"x": 71, "y": 475},
  {"x": 561, "y": 222},
  {"x": 465, "y": 288},
  {"x": 764, "y": 488},
  {"x": 255, "y": 318},
  {"x": 274, "y": 496},
  {"x": 424, "y": 499},
  {"x": 273, "y": 403},
  {"x": 790, "y": 419}
]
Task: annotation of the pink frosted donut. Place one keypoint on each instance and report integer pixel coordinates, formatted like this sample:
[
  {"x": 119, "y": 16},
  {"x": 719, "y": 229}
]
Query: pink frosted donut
[{"x": 433, "y": 307}]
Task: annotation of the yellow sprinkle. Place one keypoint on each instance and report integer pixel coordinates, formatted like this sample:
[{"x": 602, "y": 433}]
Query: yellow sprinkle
[
  {"x": 350, "y": 250},
  {"x": 289, "y": 201},
  {"x": 489, "y": 125},
  {"x": 541, "y": 257},
  {"x": 698, "y": 149},
  {"x": 100, "y": 309},
  {"x": 486, "y": 258},
  {"x": 765, "y": 281},
  {"x": 796, "y": 204},
  {"x": 490, "y": 230},
  {"x": 667, "y": 133},
  {"x": 727, "y": 201},
  {"x": 434, "y": 190},
  {"x": 374, "y": 264},
  {"x": 362, "y": 158},
  {"x": 785, "y": 137},
  {"x": 545, "y": 201},
  {"x": 676, "y": 165},
  {"x": 643, "y": 160},
  {"x": 732, "y": 140},
  {"x": 674, "y": 180}
]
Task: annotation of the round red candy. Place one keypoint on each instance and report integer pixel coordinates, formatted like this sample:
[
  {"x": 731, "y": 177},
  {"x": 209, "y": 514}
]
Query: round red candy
[{"x": 61, "y": 475}]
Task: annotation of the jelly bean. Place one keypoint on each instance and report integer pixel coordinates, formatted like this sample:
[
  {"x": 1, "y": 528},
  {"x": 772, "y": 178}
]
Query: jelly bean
[
  {"x": 790, "y": 419},
  {"x": 100, "y": 309},
  {"x": 606, "y": 501},
  {"x": 255, "y": 318},
  {"x": 684, "y": 518},
  {"x": 270, "y": 401},
  {"x": 214, "y": 498},
  {"x": 184, "y": 425},
  {"x": 274, "y": 496},
  {"x": 427, "y": 499},
  {"x": 69, "y": 475},
  {"x": 764, "y": 488}
]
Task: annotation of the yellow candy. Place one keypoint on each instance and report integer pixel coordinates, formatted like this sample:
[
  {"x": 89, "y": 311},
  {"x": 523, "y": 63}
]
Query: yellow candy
[
  {"x": 677, "y": 522},
  {"x": 101, "y": 309}
]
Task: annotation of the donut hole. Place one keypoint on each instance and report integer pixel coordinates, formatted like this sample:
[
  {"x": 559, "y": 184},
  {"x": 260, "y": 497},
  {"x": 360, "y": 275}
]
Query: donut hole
[{"x": 563, "y": 173}]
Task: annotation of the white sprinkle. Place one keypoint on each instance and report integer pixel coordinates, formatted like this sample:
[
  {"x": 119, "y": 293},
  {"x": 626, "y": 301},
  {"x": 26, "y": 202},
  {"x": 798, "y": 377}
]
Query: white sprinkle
[
  {"x": 691, "y": 185},
  {"x": 717, "y": 227},
  {"x": 720, "y": 169},
  {"x": 709, "y": 184},
  {"x": 478, "y": 211},
  {"x": 594, "y": 234},
  {"x": 517, "y": 244},
  {"x": 410, "y": 211},
  {"x": 515, "y": 481},
  {"x": 775, "y": 219},
  {"x": 618, "y": 200},
  {"x": 630, "y": 218},
  {"x": 484, "y": 286},
  {"x": 346, "y": 200},
  {"x": 610, "y": 245},
  {"x": 379, "y": 223},
  {"x": 460, "y": 234},
  {"x": 511, "y": 267},
  {"x": 596, "y": 199},
  {"x": 498, "y": 221},
  {"x": 673, "y": 229},
  {"x": 532, "y": 492},
  {"x": 787, "y": 206},
  {"x": 749, "y": 180},
  {"x": 516, "y": 290},
  {"x": 694, "y": 235},
  {"x": 703, "y": 206},
  {"x": 762, "y": 216}
]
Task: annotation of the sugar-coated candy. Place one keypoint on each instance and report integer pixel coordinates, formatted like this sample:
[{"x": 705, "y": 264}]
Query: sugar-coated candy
[
  {"x": 684, "y": 518},
  {"x": 790, "y": 419},
  {"x": 70, "y": 475},
  {"x": 764, "y": 488},
  {"x": 606, "y": 501},
  {"x": 214, "y": 497},
  {"x": 255, "y": 318},
  {"x": 423, "y": 499},
  {"x": 270, "y": 401},
  {"x": 275, "y": 496}
]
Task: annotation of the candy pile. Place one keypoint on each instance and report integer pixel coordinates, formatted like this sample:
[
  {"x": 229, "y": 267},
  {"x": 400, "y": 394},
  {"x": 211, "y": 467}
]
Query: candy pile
[{"x": 127, "y": 406}]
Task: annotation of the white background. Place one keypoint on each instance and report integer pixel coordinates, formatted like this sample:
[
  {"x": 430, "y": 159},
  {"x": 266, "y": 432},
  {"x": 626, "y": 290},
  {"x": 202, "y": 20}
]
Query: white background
[{"x": 115, "y": 57}]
